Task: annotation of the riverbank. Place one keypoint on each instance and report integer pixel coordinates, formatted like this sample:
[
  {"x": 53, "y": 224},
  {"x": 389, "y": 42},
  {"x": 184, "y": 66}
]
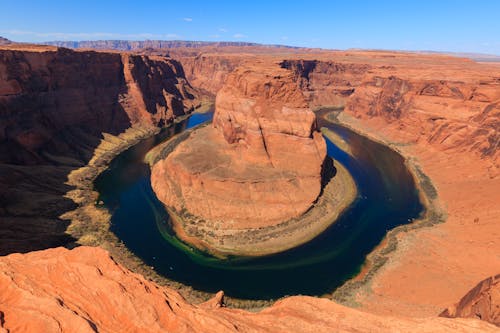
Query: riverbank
[
  {"x": 416, "y": 261},
  {"x": 433, "y": 213},
  {"x": 90, "y": 221},
  {"x": 337, "y": 195},
  {"x": 121, "y": 253}
]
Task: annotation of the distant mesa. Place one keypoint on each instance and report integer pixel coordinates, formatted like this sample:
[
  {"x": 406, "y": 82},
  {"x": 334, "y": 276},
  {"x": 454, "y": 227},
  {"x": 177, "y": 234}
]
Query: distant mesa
[
  {"x": 5, "y": 41},
  {"x": 140, "y": 45}
]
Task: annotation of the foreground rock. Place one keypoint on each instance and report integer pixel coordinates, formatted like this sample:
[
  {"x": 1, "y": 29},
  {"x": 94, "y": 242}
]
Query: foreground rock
[
  {"x": 482, "y": 302},
  {"x": 258, "y": 166},
  {"x": 84, "y": 290},
  {"x": 56, "y": 107}
]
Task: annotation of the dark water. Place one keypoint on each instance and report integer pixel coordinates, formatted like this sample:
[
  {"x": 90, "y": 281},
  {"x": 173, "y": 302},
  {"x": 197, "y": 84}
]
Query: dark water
[{"x": 387, "y": 198}]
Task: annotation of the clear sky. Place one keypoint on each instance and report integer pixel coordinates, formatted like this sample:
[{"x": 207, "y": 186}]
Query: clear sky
[{"x": 440, "y": 25}]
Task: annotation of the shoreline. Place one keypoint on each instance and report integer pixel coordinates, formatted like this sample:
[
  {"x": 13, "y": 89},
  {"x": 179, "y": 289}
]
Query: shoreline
[
  {"x": 433, "y": 213},
  {"x": 90, "y": 221},
  {"x": 282, "y": 237}
]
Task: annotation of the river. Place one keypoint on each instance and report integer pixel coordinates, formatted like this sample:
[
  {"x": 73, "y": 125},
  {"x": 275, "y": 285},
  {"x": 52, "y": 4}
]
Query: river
[{"x": 387, "y": 197}]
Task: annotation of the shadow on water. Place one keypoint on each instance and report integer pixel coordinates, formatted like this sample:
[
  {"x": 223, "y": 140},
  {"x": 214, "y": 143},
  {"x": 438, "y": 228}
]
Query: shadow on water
[{"x": 387, "y": 197}]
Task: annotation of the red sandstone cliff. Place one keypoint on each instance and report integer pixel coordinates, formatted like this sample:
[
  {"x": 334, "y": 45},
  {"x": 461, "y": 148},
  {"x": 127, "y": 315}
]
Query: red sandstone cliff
[
  {"x": 84, "y": 290},
  {"x": 47, "y": 97},
  {"x": 55, "y": 105},
  {"x": 209, "y": 72},
  {"x": 327, "y": 83}
]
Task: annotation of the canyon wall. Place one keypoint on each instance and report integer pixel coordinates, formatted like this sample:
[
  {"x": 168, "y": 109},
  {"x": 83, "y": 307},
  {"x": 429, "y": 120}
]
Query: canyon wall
[
  {"x": 55, "y": 105},
  {"x": 85, "y": 290},
  {"x": 455, "y": 102},
  {"x": 209, "y": 71},
  {"x": 452, "y": 114},
  {"x": 327, "y": 83}
]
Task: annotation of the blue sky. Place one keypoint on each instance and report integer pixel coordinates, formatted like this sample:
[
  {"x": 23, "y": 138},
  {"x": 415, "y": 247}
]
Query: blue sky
[{"x": 440, "y": 25}]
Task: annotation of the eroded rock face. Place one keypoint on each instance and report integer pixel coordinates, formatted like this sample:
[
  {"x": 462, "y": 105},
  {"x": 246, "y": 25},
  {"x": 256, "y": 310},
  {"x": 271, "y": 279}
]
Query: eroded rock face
[
  {"x": 55, "y": 105},
  {"x": 85, "y": 290},
  {"x": 261, "y": 162},
  {"x": 482, "y": 302},
  {"x": 326, "y": 82}
]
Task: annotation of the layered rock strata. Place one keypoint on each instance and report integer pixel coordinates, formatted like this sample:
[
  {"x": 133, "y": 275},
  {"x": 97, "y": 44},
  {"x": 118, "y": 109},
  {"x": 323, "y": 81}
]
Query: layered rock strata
[{"x": 258, "y": 166}]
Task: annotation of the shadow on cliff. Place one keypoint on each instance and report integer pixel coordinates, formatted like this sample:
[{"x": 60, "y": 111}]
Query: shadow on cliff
[
  {"x": 54, "y": 108},
  {"x": 33, "y": 174},
  {"x": 328, "y": 171}
]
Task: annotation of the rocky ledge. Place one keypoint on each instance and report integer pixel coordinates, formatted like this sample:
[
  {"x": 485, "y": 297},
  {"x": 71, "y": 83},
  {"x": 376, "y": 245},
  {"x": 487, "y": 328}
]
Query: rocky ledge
[{"x": 85, "y": 290}]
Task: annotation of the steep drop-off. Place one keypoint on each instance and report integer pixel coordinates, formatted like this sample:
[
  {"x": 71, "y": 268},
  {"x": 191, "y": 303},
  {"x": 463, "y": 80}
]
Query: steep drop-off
[
  {"x": 85, "y": 290},
  {"x": 55, "y": 105}
]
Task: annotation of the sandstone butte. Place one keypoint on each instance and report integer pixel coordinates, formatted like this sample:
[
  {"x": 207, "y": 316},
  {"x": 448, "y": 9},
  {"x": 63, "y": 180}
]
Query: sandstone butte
[
  {"x": 259, "y": 165},
  {"x": 441, "y": 112}
]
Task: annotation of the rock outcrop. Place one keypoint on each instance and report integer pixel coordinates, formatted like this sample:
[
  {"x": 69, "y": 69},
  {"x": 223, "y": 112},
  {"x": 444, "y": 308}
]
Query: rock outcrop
[
  {"x": 55, "y": 105},
  {"x": 244, "y": 172},
  {"x": 242, "y": 169},
  {"x": 85, "y": 290},
  {"x": 482, "y": 302},
  {"x": 459, "y": 115}
]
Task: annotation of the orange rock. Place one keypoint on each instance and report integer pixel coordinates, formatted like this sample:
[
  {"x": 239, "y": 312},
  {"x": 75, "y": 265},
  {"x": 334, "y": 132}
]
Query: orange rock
[
  {"x": 84, "y": 290},
  {"x": 258, "y": 166},
  {"x": 482, "y": 302}
]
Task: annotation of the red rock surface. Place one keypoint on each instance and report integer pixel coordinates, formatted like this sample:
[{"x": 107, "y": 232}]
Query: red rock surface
[
  {"x": 84, "y": 290},
  {"x": 482, "y": 302},
  {"x": 244, "y": 172}
]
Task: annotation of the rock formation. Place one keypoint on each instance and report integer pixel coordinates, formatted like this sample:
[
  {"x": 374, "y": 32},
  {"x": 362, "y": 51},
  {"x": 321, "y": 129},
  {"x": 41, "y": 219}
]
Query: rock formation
[
  {"x": 242, "y": 169},
  {"x": 244, "y": 172},
  {"x": 482, "y": 302},
  {"x": 85, "y": 290},
  {"x": 55, "y": 105}
]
